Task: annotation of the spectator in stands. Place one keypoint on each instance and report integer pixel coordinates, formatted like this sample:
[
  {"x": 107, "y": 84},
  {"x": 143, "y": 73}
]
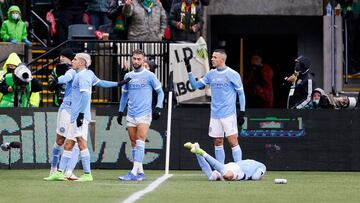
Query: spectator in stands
[
  {"x": 148, "y": 20},
  {"x": 198, "y": 2},
  {"x": 66, "y": 56},
  {"x": 68, "y": 12},
  {"x": 14, "y": 29},
  {"x": 258, "y": 84},
  {"x": 9, "y": 66},
  {"x": 17, "y": 88},
  {"x": 97, "y": 9},
  {"x": 315, "y": 99},
  {"x": 120, "y": 26},
  {"x": 150, "y": 65},
  {"x": 302, "y": 83},
  {"x": 186, "y": 21},
  {"x": 2, "y": 11}
]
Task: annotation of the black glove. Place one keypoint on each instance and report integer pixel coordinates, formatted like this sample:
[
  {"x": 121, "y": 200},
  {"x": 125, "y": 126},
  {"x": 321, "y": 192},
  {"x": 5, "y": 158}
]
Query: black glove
[
  {"x": 187, "y": 64},
  {"x": 61, "y": 69},
  {"x": 123, "y": 82},
  {"x": 80, "y": 119},
  {"x": 240, "y": 118},
  {"x": 156, "y": 113},
  {"x": 119, "y": 118},
  {"x": 53, "y": 81}
]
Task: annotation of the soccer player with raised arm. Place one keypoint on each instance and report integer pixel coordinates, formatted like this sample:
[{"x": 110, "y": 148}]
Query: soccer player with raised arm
[
  {"x": 80, "y": 116},
  {"x": 225, "y": 85},
  {"x": 241, "y": 170},
  {"x": 63, "y": 121},
  {"x": 137, "y": 94}
]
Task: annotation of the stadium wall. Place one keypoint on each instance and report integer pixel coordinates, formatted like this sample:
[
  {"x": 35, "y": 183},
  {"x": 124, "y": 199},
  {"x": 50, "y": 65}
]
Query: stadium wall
[{"x": 281, "y": 139}]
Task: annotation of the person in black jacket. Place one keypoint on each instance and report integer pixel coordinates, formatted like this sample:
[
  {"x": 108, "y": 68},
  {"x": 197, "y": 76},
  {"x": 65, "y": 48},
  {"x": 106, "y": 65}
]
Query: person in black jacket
[
  {"x": 119, "y": 27},
  {"x": 68, "y": 12},
  {"x": 186, "y": 21},
  {"x": 66, "y": 56},
  {"x": 302, "y": 84}
]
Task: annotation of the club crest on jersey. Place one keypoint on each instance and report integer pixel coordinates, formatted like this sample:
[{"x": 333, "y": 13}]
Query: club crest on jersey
[{"x": 62, "y": 129}]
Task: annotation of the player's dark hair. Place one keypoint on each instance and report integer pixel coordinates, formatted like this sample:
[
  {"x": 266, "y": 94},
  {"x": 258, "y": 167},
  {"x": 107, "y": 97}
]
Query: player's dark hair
[
  {"x": 222, "y": 51},
  {"x": 138, "y": 51}
]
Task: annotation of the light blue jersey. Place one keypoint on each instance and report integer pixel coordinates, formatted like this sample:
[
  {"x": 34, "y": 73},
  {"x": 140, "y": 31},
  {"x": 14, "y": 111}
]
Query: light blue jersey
[
  {"x": 225, "y": 84},
  {"x": 138, "y": 93},
  {"x": 67, "y": 78},
  {"x": 81, "y": 94},
  {"x": 250, "y": 166}
]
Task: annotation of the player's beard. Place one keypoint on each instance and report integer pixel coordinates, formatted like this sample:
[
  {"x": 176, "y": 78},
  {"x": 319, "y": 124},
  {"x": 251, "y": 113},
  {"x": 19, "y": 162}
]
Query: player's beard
[{"x": 137, "y": 66}]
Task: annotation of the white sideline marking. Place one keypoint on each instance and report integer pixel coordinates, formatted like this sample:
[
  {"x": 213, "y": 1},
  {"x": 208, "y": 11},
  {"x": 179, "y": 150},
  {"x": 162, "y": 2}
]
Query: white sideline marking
[{"x": 148, "y": 189}]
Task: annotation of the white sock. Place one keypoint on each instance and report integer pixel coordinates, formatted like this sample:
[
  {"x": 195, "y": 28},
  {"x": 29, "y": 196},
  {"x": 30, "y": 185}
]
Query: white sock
[
  {"x": 136, "y": 167},
  {"x": 140, "y": 169}
]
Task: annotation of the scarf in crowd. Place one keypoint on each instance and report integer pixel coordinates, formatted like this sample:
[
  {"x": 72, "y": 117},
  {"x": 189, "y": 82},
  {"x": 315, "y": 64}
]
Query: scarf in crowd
[
  {"x": 185, "y": 8},
  {"x": 148, "y": 5}
]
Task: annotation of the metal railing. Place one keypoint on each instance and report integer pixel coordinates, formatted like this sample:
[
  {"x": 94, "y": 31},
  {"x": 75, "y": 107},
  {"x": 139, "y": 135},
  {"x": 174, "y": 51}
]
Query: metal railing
[
  {"x": 108, "y": 58},
  {"x": 34, "y": 14}
]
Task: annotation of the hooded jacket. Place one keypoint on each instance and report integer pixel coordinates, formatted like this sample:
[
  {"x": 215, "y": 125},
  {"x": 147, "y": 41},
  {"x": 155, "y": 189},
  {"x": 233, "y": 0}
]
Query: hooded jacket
[
  {"x": 13, "y": 59},
  {"x": 13, "y": 29}
]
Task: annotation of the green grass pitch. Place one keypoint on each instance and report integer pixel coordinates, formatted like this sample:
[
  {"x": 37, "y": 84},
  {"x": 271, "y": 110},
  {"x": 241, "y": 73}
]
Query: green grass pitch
[{"x": 183, "y": 186}]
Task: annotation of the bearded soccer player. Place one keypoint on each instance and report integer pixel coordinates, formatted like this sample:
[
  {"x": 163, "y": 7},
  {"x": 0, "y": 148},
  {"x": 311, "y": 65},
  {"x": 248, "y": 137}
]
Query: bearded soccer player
[{"x": 137, "y": 94}]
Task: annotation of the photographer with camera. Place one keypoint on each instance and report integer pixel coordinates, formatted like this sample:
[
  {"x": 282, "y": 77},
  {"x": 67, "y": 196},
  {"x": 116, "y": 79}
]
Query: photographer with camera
[{"x": 17, "y": 87}]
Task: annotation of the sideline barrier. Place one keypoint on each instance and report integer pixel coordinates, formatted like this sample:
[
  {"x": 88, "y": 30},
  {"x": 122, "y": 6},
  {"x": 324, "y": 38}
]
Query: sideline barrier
[{"x": 281, "y": 139}]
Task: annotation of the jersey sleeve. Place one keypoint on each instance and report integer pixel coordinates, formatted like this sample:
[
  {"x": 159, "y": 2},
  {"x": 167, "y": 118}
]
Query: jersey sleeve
[
  {"x": 125, "y": 87},
  {"x": 235, "y": 79},
  {"x": 155, "y": 83},
  {"x": 94, "y": 78}
]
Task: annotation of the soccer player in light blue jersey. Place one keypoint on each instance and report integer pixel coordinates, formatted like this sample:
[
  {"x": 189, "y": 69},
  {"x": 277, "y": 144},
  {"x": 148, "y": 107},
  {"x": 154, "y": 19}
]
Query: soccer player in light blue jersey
[
  {"x": 225, "y": 85},
  {"x": 137, "y": 94},
  {"x": 75, "y": 106},
  {"x": 242, "y": 170}
]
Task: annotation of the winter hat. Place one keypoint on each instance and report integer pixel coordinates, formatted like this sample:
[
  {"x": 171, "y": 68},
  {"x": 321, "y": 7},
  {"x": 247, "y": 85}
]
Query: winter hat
[
  {"x": 68, "y": 53},
  {"x": 303, "y": 64},
  {"x": 319, "y": 90},
  {"x": 152, "y": 65},
  {"x": 85, "y": 57}
]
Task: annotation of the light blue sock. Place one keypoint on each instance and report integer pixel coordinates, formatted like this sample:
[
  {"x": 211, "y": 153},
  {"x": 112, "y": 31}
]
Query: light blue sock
[
  {"x": 85, "y": 160},
  {"x": 220, "y": 153},
  {"x": 65, "y": 158},
  {"x": 204, "y": 165},
  {"x": 140, "y": 151},
  {"x": 133, "y": 150},
  {"x": 55, "y": 155},
  {"x": 215, "y": 163},
  {"x": 236, "y": 153},
  {"x": 74, "y": 158}
]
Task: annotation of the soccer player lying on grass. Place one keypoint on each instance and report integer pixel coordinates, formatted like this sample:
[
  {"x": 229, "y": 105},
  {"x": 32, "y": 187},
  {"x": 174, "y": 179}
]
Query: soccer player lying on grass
[{"x": 242, "y": 170}]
